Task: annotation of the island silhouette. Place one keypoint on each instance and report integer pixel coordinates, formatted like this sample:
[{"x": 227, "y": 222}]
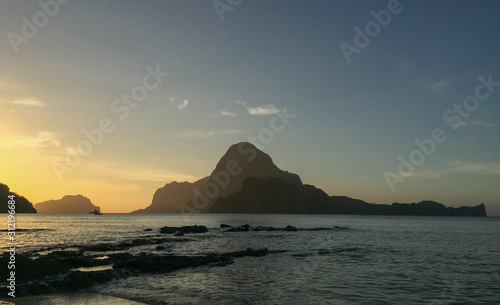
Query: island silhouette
[
  {"x": 246, "y": 180},
  {"x": 69, "y": 204},
  {"x": 23, "y": 205}
]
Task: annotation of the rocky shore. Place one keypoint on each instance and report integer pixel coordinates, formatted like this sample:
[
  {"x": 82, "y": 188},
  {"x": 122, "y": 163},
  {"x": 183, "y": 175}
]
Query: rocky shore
[{"x": 74, "y": 268}]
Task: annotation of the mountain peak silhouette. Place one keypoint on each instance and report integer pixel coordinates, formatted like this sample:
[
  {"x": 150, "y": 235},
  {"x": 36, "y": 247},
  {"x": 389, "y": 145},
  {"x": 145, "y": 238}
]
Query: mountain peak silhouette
[
  {"x": 240, "y": 161},
  {"x": 243, "y": 160}
]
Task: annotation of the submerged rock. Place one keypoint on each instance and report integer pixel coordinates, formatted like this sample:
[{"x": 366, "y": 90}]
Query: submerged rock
[
  {"x": 184, "y": 229},
  {"x": 247, "y": 228},
  {"x": 250, "y": 252}
]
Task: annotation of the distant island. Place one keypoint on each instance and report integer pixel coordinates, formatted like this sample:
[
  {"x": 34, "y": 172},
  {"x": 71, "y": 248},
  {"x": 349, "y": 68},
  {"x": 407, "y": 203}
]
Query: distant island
[
  {"x": 23, "y": 205},
  {"x": 70, "y": 204},
  {"x": 246, "y": 180}
]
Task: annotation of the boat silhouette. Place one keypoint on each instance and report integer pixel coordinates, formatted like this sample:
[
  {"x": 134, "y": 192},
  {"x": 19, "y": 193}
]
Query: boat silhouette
[{"x": 95, "y": 212}]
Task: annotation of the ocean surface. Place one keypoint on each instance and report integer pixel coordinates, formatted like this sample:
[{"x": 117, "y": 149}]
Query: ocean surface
[{"x": 364, "y": 260}]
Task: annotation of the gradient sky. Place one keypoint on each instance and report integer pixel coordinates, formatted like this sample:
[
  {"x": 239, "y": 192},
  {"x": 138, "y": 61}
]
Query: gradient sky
[{"x": 228, "y": 77}]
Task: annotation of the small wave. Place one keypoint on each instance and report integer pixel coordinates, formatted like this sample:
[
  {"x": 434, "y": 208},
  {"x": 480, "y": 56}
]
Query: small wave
[{"x": 339, "y": 250}]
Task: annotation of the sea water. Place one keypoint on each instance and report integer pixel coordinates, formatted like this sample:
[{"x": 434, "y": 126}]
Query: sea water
[{"x": 331, "y": 259}]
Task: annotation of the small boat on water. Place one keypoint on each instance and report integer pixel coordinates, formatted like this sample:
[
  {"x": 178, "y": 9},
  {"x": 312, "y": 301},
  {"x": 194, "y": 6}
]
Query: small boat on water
[{"x": 95, "y": 212}]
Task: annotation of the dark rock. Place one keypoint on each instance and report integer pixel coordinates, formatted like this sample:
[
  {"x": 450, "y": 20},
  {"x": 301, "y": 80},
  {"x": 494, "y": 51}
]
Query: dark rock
[
  {"x": 147, "y": 230},
  {"x": 153, "y": 263},
  {"x": 225, "y": 226},
  {"x": 179, "y": 234},
  {"x": 37, "y": 288},
  {"x": 246, "y": 228},
  {"x": 290, "y": 228},
  {"x": 184, "y": 229},
  {"x": 250, "y": 252},
  {"x": 160, "y": 248},
  {"x": 77, "y": 280}
]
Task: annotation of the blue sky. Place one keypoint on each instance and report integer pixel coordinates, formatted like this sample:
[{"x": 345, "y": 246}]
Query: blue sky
[{"x": 228, "y": 78}]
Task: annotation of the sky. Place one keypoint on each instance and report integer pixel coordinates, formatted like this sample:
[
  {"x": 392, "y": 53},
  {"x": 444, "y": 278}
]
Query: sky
[{"x": 113, "y": 100}]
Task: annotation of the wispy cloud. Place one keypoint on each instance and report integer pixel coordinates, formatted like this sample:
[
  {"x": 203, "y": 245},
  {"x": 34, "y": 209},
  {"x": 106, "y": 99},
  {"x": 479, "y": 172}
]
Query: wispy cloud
[
  {"x": 27, "y": 101},
  {"x": 440, "y": 85},
  {"x": 42, "y": 139},
  {"x": 201, "y": 134},
  {"x": 471, "y": 124},
  {"x": 227, "y": 113},
  {"x": 183, "y": 105},
  {"x": 263, "y": 110},
  {"x": 259, "y": 110},
  {"x": 224, "y": 113}
]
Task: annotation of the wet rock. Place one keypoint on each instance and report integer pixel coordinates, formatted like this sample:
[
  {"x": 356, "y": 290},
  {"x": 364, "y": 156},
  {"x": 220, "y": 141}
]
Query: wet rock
[
  {"x": 250, "y": 252},
  {"x": 76, "y": 280},
  {"x": 179, "y": 234},
  {"x": 35, "y": 288},
  {"x": 261, "y": 228},
  {"x": 246, "y": 228},
  {"x": 184, "y": 229},
  {"x": 225, "y": 225},
  {"x": 147, "y": 230},
  {"x": 153, "y": 263},
  {"x": 158, "y": 248}
]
